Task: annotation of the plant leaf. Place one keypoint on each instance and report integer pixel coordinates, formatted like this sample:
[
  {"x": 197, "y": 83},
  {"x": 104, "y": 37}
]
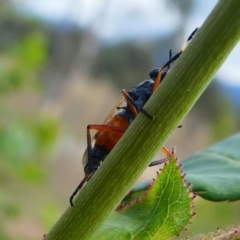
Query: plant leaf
[
  {"x": 214, "y": 173},
  {"x": 161, "y": 214}
]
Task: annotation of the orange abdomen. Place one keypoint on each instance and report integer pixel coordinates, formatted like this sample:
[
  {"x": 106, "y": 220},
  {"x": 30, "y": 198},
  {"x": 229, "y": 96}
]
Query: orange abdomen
[{"x": 108, "y": 139}]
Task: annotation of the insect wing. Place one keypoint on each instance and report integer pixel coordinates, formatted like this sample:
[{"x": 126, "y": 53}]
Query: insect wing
[
  {"x": 121, "y": 103},
  {"x": 115, "y": 109}
]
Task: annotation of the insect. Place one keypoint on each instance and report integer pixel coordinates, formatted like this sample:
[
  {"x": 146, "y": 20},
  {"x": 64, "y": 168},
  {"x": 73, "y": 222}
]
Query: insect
[{"x": 120, "y": 118}]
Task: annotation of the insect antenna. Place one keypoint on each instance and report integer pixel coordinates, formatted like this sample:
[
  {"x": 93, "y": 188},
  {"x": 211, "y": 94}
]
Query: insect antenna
[
  {"x": 156, "y": 71},
  {"x": 170, "y": 56}
]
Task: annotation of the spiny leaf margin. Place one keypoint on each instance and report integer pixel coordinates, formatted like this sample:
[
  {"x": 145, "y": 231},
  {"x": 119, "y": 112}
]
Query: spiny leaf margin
[{"x": 162, "y": 212}]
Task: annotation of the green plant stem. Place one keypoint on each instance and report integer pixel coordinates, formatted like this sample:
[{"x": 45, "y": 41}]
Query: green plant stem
[{"x": 181, "y": 88}]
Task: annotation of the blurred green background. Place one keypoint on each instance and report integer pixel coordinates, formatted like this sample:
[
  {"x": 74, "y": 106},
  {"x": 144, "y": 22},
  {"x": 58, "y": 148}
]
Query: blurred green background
[{"x": 57, "y": 75}]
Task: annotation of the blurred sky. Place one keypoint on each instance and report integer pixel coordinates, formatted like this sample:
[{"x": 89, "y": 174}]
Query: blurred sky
[{"x": 113, "y": 20}]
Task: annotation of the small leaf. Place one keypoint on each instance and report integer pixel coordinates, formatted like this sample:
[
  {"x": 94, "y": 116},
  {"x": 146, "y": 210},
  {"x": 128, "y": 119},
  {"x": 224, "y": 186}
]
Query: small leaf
[
  {"x": 161, "y": 214},
  {"x": 214, "y": 173}
]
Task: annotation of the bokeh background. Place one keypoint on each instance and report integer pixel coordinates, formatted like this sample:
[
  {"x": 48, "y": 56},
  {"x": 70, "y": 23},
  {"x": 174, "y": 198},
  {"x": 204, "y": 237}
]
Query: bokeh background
[{"x": 62, "y": 66}]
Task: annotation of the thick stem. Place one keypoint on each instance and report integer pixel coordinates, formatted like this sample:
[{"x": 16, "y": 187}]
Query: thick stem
[{"x": 172, "y": 101}]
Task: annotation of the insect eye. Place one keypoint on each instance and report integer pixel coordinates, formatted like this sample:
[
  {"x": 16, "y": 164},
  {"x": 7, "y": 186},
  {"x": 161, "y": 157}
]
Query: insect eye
[{"x": 153, "y": 73}]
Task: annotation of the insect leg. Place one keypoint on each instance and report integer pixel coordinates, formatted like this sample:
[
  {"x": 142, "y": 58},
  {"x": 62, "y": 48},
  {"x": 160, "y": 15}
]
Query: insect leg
[
  {"x": 133, "y": 106},
  {"x": 85, "y": 179},
  {"x": 166, "y": 151},
  {"x": 88, "y": 175},
  {"x": 157, "y": 162},
  {"x": 105, "y": 127}
]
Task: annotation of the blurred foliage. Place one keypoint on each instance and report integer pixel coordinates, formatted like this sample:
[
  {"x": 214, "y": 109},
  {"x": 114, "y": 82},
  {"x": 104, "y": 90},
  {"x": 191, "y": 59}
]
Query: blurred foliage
[
  {"x": 38, "y": 61},
  {"x": 21, "y": 61},
  {"x": 22, "y": 146},
  {"x": 27, "y": 135},
  {"x": 124, "y": 63},
  {"x": 210, "y": 216},
  {"x": 49, "y": 213},
  {"x": 215, "y": 107}
]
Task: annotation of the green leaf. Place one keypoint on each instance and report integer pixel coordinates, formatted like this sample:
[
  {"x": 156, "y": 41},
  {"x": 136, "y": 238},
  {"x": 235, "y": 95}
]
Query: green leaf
[
  {"x": 215, "y": 172},
  {"x": 161, "y": 213}
]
